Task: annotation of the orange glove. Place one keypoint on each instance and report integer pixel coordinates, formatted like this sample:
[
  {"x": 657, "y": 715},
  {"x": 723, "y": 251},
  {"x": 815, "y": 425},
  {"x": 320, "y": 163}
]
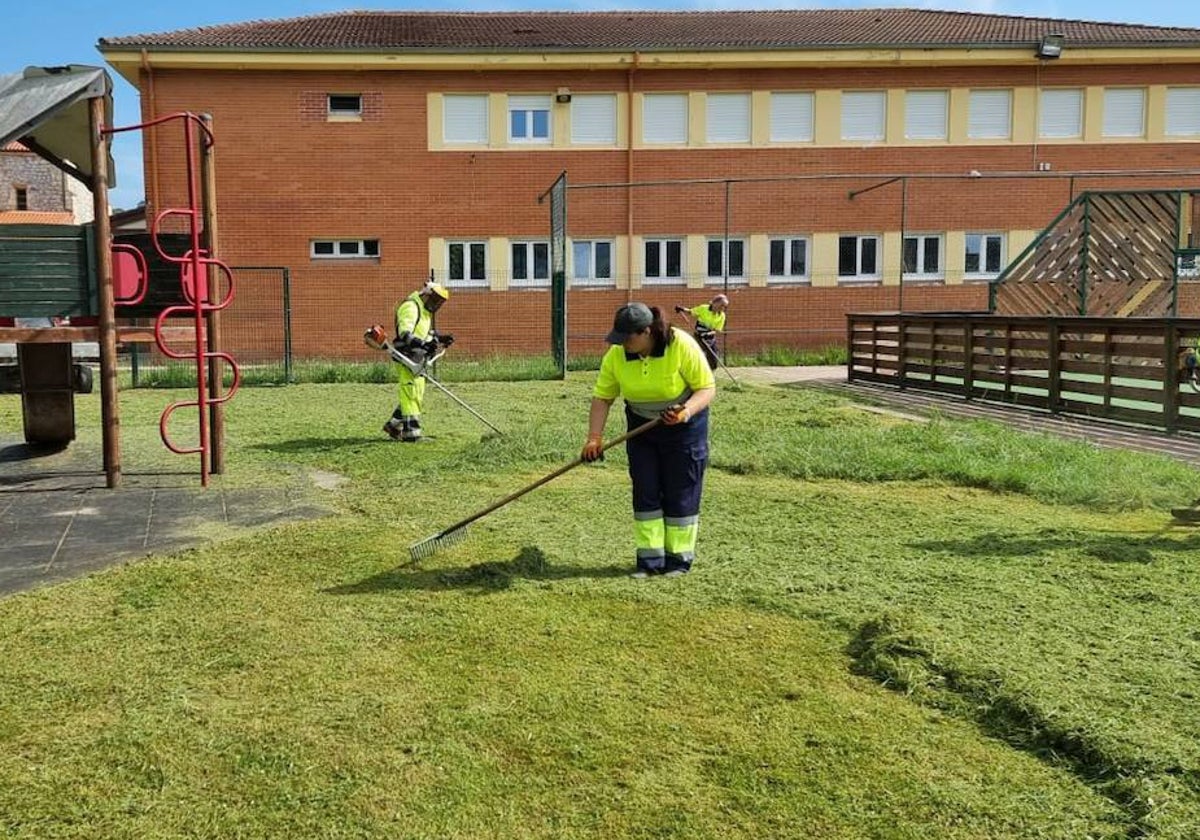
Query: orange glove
[
  {"x": 676, "y": 414},
  {"x": 593, "y": 450}
]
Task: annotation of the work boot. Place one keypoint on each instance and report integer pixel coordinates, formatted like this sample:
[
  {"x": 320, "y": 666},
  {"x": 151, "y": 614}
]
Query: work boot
[
  {"x": 411, "y": 431},
  {"x": 392, "y": 430}
]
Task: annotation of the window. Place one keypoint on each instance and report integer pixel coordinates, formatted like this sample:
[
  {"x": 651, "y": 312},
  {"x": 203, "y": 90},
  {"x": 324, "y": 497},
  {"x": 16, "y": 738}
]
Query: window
[
  {"x": 858, "y": 257},
  {"x": 1061, "y": 114},
  {"x": 344, "y": 105},
  {"x": 925, "y": 114},
  {"x": 530, "y": 264},
  {"x": 989, "y": 115},
  {"x": 344, "y": 249},
  {"x": 728, "y": 117},
  {"x": 1183, "y": 111},
  {"x": 664, "y": 260},
  {"x": 465, "y": 118},
  {"x": 791, "y": 117},
  {"x": 466, "y": 263},
  {"x": 591, "y": 262},
  {"x": 665, "y": 118},
  {"x": 864, "y": 115},
  {"x": 923, "y": 256},
  {"x": 21, "y": 198},
  {"x": 984, "y": 254},
  {"x": 594, "y": 119},
  {"x": 788, "y": 257},
  {"x": 529, "y": 119},
  {"x": 716, "y": 260},
  {"x": 1124, "y": 112}
]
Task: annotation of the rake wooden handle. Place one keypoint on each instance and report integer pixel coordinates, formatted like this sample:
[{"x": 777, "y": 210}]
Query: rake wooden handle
[{"x": 645, "y": 427}]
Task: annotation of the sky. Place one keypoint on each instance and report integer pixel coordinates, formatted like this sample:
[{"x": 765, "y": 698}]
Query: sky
[{"x": 55, "y": 32}]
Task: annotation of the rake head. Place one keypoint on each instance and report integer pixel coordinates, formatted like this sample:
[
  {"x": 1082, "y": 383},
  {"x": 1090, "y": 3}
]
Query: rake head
[{"x": 432, "y": 545}]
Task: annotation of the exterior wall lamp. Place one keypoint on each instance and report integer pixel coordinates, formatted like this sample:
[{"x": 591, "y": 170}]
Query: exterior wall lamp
[{"x": 1051, "y": 46}]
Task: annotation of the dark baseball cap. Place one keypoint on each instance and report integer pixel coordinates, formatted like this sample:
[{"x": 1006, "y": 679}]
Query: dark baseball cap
[{"x": 631, "y": 318}]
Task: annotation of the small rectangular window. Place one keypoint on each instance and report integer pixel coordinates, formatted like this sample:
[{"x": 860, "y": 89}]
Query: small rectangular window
[
  {"x": 345, "y": 105},
  {"x": 984, "y": 255},
  {"x": 466, "y": 263},
  {"x": 925, "y": 114},
  {"x": 858, "y": 257},
  {"x": 591, "y": 262},
  {"x": 923, "y": 256},
  {"x": 1124, "y": 112},
  {"x": 465, "y": 119},
  {"x": 717, "y": 263},
  {"x": 530, "y": 263},
  {"x": 1183, "y": 112},
  {"x": 788, "y": 259},
  {"x": 664, "y": 260},
  {"x": 791, "y": 117},
  {"x": 665, "y": 118},
  {"x": 529, "y": 119},
  {"x": 344, "y": 249},
  {"x": 989, "y": 115},
  {"x": 1061, "y": 114},
  {"x": 864, "y": 115},
  {"x": 728, "y": 117},
  {"x": 21, "y": 198},
  {"x": 594, "y": 119}
]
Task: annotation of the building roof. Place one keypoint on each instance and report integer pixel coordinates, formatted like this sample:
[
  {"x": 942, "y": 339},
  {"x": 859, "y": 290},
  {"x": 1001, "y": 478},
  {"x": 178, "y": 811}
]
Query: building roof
[
  {"x": 14, "y": 146},
  {"x": 648, "y": 30},
  {"x": 35, "y": 217}
]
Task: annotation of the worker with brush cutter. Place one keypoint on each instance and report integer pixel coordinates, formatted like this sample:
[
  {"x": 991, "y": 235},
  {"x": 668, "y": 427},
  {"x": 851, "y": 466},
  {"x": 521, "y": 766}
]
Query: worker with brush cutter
[
  {"x": 661, "y": 373},
  {"x": 417, "y": 340},
  {"x": 707, "y": 320}
]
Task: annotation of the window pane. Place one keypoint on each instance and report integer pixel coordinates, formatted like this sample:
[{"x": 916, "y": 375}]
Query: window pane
[
  {"x": 869, "y": 247},
  {"x": 581, "y": 260},
  {"x": 541, "y": 124},
  {"x": 910, "y": 254},
  {"x": 736, "y": 258},
  {"x": 323, "y": 248},
  {"x": 933, "y": 261},
  {"x": 714, "y": 260},
  {"x": 603, "y": 260},
  {"x": 974, "y": 244},
  {"x": 995, "y": 247},
  {"x": 478, "y": 261},
  {"x": 518, "y": 123},
  {"x": 345, "y": 104},
  {"x": 371, "y": 247},
  {"x": 456, "y": 261},
  {"x": 674, "y": 258},
  {"x": 847, "y": 256},
  {"x": 348, "y": 248},
  {"x": 541, "y": 261},
  {"x": 799, "y": 258},
  {"x": 520, "y": 261},
  {"x": 653, "y": 261},
  {"x": 777, "y": 257}
]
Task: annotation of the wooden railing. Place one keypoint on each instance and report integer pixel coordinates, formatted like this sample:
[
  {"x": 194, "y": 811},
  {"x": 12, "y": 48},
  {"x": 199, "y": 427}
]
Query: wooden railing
[{"x": 1128, "y": 369}]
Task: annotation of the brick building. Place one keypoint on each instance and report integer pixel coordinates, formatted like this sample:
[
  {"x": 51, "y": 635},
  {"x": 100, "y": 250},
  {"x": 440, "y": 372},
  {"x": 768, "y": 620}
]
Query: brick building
[
  {"x": 840, "y": 160},
  {"x": 34, "y": 191}
]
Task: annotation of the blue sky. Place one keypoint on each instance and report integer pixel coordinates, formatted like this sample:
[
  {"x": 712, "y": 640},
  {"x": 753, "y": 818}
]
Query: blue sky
[{"x": 66, "y": 31}]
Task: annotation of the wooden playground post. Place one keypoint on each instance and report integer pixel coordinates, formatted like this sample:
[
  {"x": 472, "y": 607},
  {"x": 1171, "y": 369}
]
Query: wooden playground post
[
  {"x": 208, "y": 191},
  {"x": 109, "y": 409}
]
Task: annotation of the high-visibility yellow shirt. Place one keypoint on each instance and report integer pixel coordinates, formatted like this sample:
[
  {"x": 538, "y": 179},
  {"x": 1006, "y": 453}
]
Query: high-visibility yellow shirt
[
  {"x": 652, "y": 383},
  {"x": 705, "y": 317},
  {"x": 413, "y": 317}
]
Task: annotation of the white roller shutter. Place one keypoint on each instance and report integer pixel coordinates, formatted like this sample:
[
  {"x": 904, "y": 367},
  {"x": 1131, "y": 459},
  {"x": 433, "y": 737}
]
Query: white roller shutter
[
  {"x": 989, "y": 115},
  {"x": 1124, "y": 112},
  {"x": 594, "y": 119},
  {"x": 864, "y": 115},
  {"x": 728, "y": 117},
  {"x": 925, "y": 115},
  {"x": 1183, "y": 112},
  {"x": 665, "y": 118},
  {"x": 791, "y": 117},
  {"x": 465, "y": 118},
  {"x": 1061, "y": 113}
]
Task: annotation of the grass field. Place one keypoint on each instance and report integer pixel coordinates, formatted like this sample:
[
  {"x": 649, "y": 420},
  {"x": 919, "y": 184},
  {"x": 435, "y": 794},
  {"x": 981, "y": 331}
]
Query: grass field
[{"x": 894, "y": 630}]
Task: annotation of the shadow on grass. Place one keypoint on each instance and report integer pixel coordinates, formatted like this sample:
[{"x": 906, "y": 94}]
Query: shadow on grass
[
  {"x": 1107, "y": 548},
  {"x": 322, "y": 444},
  {"x": 29, "y": 451},
  {"x": 480, "y": 578}
]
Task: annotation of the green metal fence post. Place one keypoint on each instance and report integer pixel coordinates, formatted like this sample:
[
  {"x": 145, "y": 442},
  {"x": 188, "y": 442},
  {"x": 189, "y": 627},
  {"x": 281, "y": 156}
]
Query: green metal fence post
[{"x": 287, "y": 325}]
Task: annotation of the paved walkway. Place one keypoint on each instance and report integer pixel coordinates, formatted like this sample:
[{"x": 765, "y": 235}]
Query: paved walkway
[
  {"x": 58, "y": 521},
  {"x": 920, "y": 404}
]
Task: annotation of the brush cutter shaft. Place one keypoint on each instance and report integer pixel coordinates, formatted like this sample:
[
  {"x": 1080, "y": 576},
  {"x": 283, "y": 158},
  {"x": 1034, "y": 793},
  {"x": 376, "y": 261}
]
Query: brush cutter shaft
[
  {"x": 449, "y": 394},
  {"x": 645, "y": 427}
]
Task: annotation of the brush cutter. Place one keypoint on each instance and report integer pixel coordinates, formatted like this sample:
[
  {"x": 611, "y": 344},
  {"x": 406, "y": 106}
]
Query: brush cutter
[
  {"x": 458, "y": 531},
  {"x": 679, "y": 310},
  {"x": 376, "y": 339}
]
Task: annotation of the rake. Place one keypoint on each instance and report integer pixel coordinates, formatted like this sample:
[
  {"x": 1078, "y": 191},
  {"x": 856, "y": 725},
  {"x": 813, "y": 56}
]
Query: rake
[
  {"x": 720, "y": 362},
  {"x": 458, "y": 531}
]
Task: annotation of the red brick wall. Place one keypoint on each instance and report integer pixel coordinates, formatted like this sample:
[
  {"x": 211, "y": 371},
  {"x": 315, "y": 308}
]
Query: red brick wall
[{"x": 285, "y": 176}]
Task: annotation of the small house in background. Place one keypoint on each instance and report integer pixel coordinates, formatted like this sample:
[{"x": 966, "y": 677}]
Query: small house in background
[{"x": 35, "y": 192}]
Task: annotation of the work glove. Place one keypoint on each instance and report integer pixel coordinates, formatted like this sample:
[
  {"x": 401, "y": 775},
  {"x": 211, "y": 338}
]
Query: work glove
[
  {"x": 675, "y": 415},
  {"x": 593, "y": 450},
  {"x": 682, "y": 310},
  {"x": 446, "y": 340},
  {"x": 430, "y": 347}
]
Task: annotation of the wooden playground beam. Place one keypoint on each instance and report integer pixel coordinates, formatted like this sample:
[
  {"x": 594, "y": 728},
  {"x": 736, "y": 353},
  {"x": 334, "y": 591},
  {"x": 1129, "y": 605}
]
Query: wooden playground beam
[
  {"x": 125, "y": 335},
  {"x": 107, "y": 332}
]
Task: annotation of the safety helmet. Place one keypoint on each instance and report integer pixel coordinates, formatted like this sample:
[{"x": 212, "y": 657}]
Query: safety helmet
[{"x": 438, "y": 289}]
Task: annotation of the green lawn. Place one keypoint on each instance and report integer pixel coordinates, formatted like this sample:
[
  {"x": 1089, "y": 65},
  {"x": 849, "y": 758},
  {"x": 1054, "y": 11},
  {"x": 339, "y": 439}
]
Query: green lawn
[{"x": 894, "y": 630}]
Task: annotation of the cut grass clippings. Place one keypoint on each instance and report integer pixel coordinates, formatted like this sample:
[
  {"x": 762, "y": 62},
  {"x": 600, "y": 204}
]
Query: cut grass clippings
[{"x": 895, "y": 630}]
